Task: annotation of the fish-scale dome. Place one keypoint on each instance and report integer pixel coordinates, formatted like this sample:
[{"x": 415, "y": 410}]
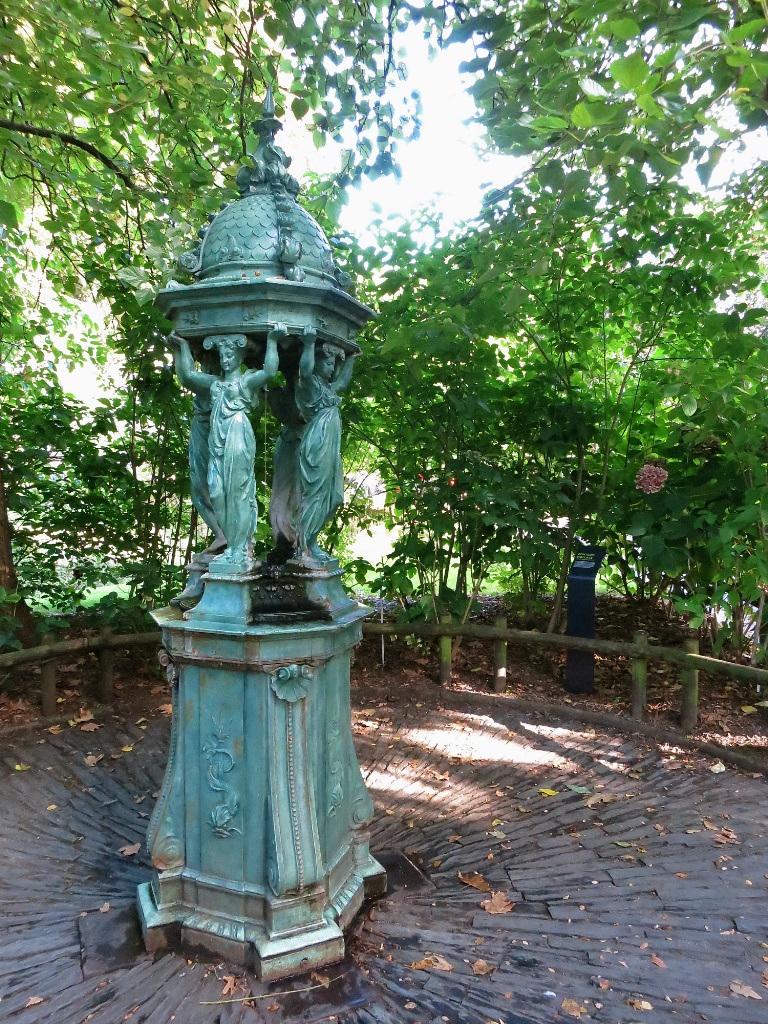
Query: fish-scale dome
[
  {"x": 253, "y": 234},
  {"x": 265, "y": 233}
]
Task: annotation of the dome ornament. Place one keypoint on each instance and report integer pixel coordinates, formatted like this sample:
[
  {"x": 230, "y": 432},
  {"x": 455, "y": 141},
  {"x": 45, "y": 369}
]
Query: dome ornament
[{"x": 270, "y": 162}]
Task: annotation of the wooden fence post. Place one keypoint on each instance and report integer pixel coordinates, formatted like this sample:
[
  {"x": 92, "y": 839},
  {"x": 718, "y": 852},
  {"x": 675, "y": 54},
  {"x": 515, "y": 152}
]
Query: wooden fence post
[
  {"x": 106, "y": 656},
  {"x": 689, "y": 702},
  {"x": 500, "y": 657},
  {"x": 48, "y": 681},
  {"x": 639, "y": 678},
  {"x": 446, "y": 645}
]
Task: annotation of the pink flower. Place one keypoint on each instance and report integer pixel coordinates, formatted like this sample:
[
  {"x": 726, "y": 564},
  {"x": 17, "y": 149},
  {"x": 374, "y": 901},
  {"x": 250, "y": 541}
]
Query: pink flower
[{"x": 651, "y": 479}]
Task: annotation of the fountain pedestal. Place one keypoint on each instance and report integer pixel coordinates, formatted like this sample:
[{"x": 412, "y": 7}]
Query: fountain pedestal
[{"x": 260, "y": 835}]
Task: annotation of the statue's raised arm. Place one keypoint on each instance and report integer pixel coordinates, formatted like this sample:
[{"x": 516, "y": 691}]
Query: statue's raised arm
[{"x": 198, "y": 382}]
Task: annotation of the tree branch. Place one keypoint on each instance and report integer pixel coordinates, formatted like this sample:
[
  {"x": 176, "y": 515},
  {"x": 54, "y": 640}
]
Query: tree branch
[{"x": 70, "y": 140}]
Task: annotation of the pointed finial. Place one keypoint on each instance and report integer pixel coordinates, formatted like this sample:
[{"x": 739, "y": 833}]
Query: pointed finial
[
  {"x": 268, "y": 110},
  {"x": 270, "y": 163}
]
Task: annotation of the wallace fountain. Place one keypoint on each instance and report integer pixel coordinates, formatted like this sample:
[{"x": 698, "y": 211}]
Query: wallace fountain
[{"x": 259, "y": 839}]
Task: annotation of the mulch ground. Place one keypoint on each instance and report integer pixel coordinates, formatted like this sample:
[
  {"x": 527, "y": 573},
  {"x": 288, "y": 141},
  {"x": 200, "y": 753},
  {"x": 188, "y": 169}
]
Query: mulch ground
[{"x": 569, "y": 873}]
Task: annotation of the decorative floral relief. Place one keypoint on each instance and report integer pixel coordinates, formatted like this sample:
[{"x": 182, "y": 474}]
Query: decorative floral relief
[
  {"x": 220, "y": 763},
  {"x": 291, "y": 682},
  {"x": 334, "y": 767}
]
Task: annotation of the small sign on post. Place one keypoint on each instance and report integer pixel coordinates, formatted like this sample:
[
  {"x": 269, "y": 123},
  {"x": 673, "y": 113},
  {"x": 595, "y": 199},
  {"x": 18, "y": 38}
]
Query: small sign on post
[{"x": 580, "y": 665}]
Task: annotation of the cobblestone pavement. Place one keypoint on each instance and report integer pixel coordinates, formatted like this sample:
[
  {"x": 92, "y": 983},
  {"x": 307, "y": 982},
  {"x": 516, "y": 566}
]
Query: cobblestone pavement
[{"x": 638, "y": 878}]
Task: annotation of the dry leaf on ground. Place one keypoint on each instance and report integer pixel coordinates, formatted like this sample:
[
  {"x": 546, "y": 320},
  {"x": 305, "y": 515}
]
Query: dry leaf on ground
[
  {"x": 84, "y": 716},
  {"x": 740, "y": 989},
  {"x": 93, "y": 759},
  {"x": 657, "y": 961},
  {"x": 321, "y": 979},
  {"x": 572, "y": 1008},
  {"x": 549, "y": 792},
  {"x": 34, "y": 1001},
  {"x": 481, "y": 967},
  {"x": 476, "y": 880},
  {"x": 54, "y": 730},
  {"x": 433, "y": 960},
  {"x": 230, "y": 986},
  {"x": 497, "y": 904},
  {"x": 89, "y": 727},
  {"x": 639, "y": 1004},
  {"x": 130, "y": 851},
  {"x": 165, "y": 709},
  {"x": 104, "y": 908}
]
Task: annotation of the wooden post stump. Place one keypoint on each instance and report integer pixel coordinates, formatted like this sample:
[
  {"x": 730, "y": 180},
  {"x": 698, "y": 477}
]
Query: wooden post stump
[
  {"x": 500, "y": 657},
  {"x": 689, "y": 704},
  {"x": 639, "y": 678},
  {"x": 446, "y": 645},
  {"x": 106, "y": 656},
  {"x": 48, "y": 681}
]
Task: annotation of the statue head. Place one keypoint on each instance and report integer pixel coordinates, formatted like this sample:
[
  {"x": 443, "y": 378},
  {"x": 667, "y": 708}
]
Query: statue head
[
  {"x": 328, "y": 358},
  {"x": 230, "y": 347}
]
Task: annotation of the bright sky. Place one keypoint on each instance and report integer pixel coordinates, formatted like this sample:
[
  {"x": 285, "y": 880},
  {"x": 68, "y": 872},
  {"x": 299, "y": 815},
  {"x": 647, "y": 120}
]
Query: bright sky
[{"x": 446, "y": 166}]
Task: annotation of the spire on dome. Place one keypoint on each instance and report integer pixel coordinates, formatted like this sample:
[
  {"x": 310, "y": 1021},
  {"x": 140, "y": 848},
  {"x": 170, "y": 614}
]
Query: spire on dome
[{"x": 270, "y": 162}]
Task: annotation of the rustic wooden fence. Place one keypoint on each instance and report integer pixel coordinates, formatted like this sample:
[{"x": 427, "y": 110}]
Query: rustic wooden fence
[{"x": 639, "y": 653}]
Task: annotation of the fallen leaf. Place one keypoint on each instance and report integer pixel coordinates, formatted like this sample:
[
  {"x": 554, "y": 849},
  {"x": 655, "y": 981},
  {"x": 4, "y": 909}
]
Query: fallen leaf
[
  {"x": 639, "y": 1004},
  {"x": 748, "y": 709},
  {"x": 549, "y": 792},
  {"x": 230, "y": 986},
  {"x": 476, "y": 880},
  {"x": 717, "y": 767},
  {"x": 52, "y": 807},
  {"x": 321, "y": 979},
  {"x": 764, "y": 977},
  {"x": 740, "y": 989},
  {"x": 84, "y": 716},
  {"x": 603, "y": 983},
  {"x": 433, "y": 960},
  {"x": 104, "y": 908},
  {"x": 273, "y": 1007},
  {"x": 523, "y": 810},
  {"x": 497, "y": 904},
  {"x": 599, "y": 798},
  {"x": 621, "y": 843},
  {"x": 54, "y": 730},
  {"x": 165, "y": 709},
  {"x": 581, "y": 790},
  {"x": 681, "y": 874},
  {"x": 127, "y": 749},
  {"x": 130, "y": 851},
  {"x": 495, "y": 822},
  {"x": 410, "y": 1005},
  {"x": 93, "y": 759},
  {"x": 21, "y": 767},
  {"x": 481, "y": 967},
  {"x": 498, "y": 834},
  {"x": 89, "y": 727},
  {"x": 657, "y": 961},
  {"x": 572, "y": 1008},
  {"x": 34, "y": 1001},
  {"x": 455, "y": 838}
]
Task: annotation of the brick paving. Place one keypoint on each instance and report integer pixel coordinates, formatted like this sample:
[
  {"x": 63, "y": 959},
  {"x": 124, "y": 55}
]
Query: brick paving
[{"x": 639, "y": 886}]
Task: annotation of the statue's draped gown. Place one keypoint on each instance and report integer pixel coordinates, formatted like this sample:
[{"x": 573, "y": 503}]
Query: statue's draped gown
[
  {"x": 320, "y": 468},
  {"x": 232, "y": 449}
]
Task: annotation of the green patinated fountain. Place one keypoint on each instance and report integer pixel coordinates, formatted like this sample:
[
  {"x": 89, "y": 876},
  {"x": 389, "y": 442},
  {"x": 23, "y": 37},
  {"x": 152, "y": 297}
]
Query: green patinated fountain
[{"x": 260, "y": 835}]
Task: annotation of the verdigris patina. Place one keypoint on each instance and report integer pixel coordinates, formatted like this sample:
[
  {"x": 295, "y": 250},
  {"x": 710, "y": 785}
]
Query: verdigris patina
[
  {"x": 260, "y": 835},
  {"x": 229, "y": 460}
]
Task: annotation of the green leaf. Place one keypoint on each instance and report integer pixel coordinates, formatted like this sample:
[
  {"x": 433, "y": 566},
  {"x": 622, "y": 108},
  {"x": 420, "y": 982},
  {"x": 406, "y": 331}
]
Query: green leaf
[
  {"x": 630, "y": 72},
  {"x": 689, "y": 404},
  {"x": 8, "y": 214},
  {"x": 589, "y": 115},
  {"x": 621, "y": 28}
]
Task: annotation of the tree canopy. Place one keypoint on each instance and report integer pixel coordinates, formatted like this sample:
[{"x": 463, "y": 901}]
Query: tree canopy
[{"x": 597, "y": 317}]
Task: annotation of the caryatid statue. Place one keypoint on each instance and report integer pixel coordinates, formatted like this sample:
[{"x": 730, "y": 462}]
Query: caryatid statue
[{"x": 230, "y": 475}]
